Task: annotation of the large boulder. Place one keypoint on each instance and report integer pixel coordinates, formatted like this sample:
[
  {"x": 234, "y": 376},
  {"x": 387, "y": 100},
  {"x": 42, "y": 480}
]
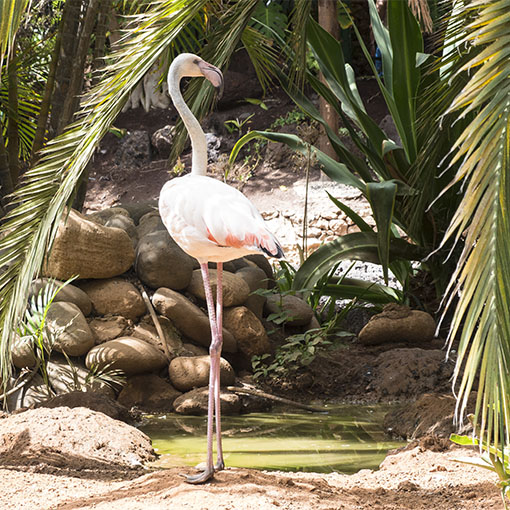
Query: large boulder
[
  {"x": 398, "y": 324},
  {"x": 256, "y": 279},
  {"x": 66, "y": 377},
  {"x": 67, "y": 324},
  {"x": 68, "y": 293},
  {"x": 235, "y": 289},
  {"x": 161, "y": 263},
  {"x": 150, "y": 222},
  {"x": 79, "y": 439},
  {"x": 22, "y": 352},
  {"x": 248, "y": 331},
  {"x": 104, "y": 215},
  {"x": 195, "y": 402},
  {"x": 187, "y": 373},
  {"x": 149, "y": 334},
  {"x": 89, "y": 250},
  {"x": 130, "y": 355},
  {"x": 149, "y": 393},
  {"x": 108, "y": 328},
  {"x": 115, "y": 297},
  {"x": 189, "y": 319},
  {"x": 126, "y": 224},
  {"x": 295, "y": 311}
]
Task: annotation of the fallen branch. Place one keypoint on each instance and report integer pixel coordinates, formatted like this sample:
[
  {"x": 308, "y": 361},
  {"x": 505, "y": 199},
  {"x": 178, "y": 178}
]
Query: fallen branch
[
  {"x": 31, "y": 373},
  {"x": 155, "y": 320},
  {"x": 263, "y": 394}
]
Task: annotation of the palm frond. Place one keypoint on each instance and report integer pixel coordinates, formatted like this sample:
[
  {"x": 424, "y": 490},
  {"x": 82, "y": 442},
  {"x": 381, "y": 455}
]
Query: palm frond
[
  {"x": 11, "y": 13},
  {"x": 482, "y": 277},
  {"x": 46, "y": 190}
]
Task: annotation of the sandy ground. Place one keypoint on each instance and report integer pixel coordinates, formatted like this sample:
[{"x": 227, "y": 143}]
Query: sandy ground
[{"x": 411, "y": 480}]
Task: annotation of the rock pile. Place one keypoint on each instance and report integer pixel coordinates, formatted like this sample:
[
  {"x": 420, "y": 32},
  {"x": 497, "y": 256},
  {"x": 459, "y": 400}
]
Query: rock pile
[{"x": 101, "y": 321}]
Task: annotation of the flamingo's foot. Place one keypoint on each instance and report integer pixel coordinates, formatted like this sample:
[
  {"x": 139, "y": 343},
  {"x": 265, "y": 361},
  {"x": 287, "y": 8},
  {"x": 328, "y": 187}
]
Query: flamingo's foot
[
  {"x": 220, "y": 465},
  {"x": 202, "y": 477}
]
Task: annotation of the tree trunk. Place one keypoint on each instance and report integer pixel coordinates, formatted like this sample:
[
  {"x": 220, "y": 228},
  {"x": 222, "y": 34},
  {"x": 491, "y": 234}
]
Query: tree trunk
[
  {"x": 72, "y": 99},
  {"x": 42, "y": 120},
  {"x": 71, "y": 22},
  {"x": 328, "y": 19},
  {"x": 100, "y": 39},
  {"x": 6, "y": 186},
  {"x": 12, "y": 127}
]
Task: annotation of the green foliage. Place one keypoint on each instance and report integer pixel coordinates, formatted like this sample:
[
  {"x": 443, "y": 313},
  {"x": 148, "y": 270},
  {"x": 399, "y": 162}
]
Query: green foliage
[
  {"x": 295, "y": 116},
  {"x": 494, "y": 459},
  {"x": 237, "y": 125},
  {"x": 33, "y": 330}
]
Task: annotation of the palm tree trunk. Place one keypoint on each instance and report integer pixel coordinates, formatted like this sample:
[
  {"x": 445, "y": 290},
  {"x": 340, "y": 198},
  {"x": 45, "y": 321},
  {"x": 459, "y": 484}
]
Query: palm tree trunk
[
  {"x": 328, "y": 19},
  {"x": 12, "y": 127},
  {"x": 72, "y": 99},
  {"x": 6, "y": 186},
  {"x": 70, "y": 27},
  {"x": 100, "y": 40},
  {"x": 42, "y": 120}
]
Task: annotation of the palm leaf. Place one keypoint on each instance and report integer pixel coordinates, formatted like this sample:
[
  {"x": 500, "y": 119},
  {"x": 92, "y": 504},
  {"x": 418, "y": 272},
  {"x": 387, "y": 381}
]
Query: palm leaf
[
  {"x": 11, "y": 12},
  {"x": 47, "y": 189},
  {"x": 482, "y": 222}
]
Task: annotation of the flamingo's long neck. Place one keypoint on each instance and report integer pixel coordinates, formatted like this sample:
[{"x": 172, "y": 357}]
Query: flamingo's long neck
[{"x": 196, "y": 134}]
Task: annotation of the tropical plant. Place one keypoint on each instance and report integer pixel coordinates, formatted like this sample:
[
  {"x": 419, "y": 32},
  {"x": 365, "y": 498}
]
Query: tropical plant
[
  {"x": 480, "y": 285},
  {"x": 385, "y": 172}
]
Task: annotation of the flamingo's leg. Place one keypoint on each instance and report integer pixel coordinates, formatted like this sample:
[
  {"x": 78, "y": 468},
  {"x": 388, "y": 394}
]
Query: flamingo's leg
[
  {"x": 220, "y": 464},
  {"x": 213, "y": 377}
]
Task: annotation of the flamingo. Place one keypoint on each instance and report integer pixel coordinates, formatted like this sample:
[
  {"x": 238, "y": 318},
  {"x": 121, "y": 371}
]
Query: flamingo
[{"x": 212, "y": 222}]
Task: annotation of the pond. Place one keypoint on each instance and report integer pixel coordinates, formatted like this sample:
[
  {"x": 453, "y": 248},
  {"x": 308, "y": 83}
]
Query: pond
[{"x": 346, "y": 439}]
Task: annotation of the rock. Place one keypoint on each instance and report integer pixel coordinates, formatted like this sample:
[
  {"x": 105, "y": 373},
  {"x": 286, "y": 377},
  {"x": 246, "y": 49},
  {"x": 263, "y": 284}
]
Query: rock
[
  {"x": 134, "y": 150},
  {"x": 22, "y": 352},
  {"x": 32, "y": 393},
  {"x": 195, "y": 402},
  {"x": 108, "y": 328},
  {"x": 138, "y": 209},
  {"x": 193, "y": 350},
  {"x": 256, "y": 279},
  {"x": 74, "y": 439},
  {"x": 69, "y": 293},
  {"x": 150, "y": 393},
  {"x": 161, "y": 263},
  {"x": 213, "y": 147},
  {"x": 296, "y": 311},
  {"x": 130, "y": 355},
  {"x": 126, "y": 224},
  {"x": 89, "y": 250},
  {"x": 149, "y": 223},
  {"x": 189, "y": 319},
  {"x": 116, "y": 297},
  {"x": 406, "y": 373},
  {"x": 98, "y": 402},
  {"x": 162, "y": 140},
  {"x": 431, "y": 414},
  {"x": 103, "y": 216},
  {"x": 67, "y": 324},
  {"x": 263, "y": 263},
  {"x": 149, "y": 334},
  {"x": 187, "y": 373},
  {"x": 235, "y": 289},
  {"x": 65, "y": 377},
  {"x": 248, "y": 331},
  {"x": 396, "y": 324}
]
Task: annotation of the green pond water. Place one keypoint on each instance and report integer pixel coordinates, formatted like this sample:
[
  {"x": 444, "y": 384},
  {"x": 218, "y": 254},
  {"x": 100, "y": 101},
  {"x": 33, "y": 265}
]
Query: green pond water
[{"x": 346, "y": 439}]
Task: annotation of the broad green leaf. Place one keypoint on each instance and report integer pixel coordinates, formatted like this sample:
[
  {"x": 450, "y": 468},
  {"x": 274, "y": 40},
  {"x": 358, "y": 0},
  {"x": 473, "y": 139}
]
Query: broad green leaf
[
  {"x": 381, "y": 196},
  {"x": 362, "y": 290},
  {"x": 355, "y": 217},
  {"x": 407, "y": 42},
  {"x": 356, "y": 246},
  {"x": 383, "y": 41}
]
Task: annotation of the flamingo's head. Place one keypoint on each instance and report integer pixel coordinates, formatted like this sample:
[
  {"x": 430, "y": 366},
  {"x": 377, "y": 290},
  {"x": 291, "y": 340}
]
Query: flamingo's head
[{"x": 187, "y": 64}]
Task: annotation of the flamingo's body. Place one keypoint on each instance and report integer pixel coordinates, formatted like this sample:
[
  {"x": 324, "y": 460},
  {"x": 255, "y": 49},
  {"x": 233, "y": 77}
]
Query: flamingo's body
[{"x": 212, "y": 222}]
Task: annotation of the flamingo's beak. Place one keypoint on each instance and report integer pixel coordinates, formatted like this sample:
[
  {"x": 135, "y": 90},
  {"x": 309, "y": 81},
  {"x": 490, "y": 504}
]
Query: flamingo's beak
[{"x": 213, "y": 74}]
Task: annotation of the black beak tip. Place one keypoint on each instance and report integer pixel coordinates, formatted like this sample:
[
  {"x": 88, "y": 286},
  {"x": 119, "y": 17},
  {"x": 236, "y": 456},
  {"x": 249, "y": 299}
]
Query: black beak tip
[{"x": 219, "y": 90}]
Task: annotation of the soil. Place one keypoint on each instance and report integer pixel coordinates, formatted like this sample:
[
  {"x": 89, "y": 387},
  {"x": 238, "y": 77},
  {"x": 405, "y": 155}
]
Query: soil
[{"x": 40, "y": 469}]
